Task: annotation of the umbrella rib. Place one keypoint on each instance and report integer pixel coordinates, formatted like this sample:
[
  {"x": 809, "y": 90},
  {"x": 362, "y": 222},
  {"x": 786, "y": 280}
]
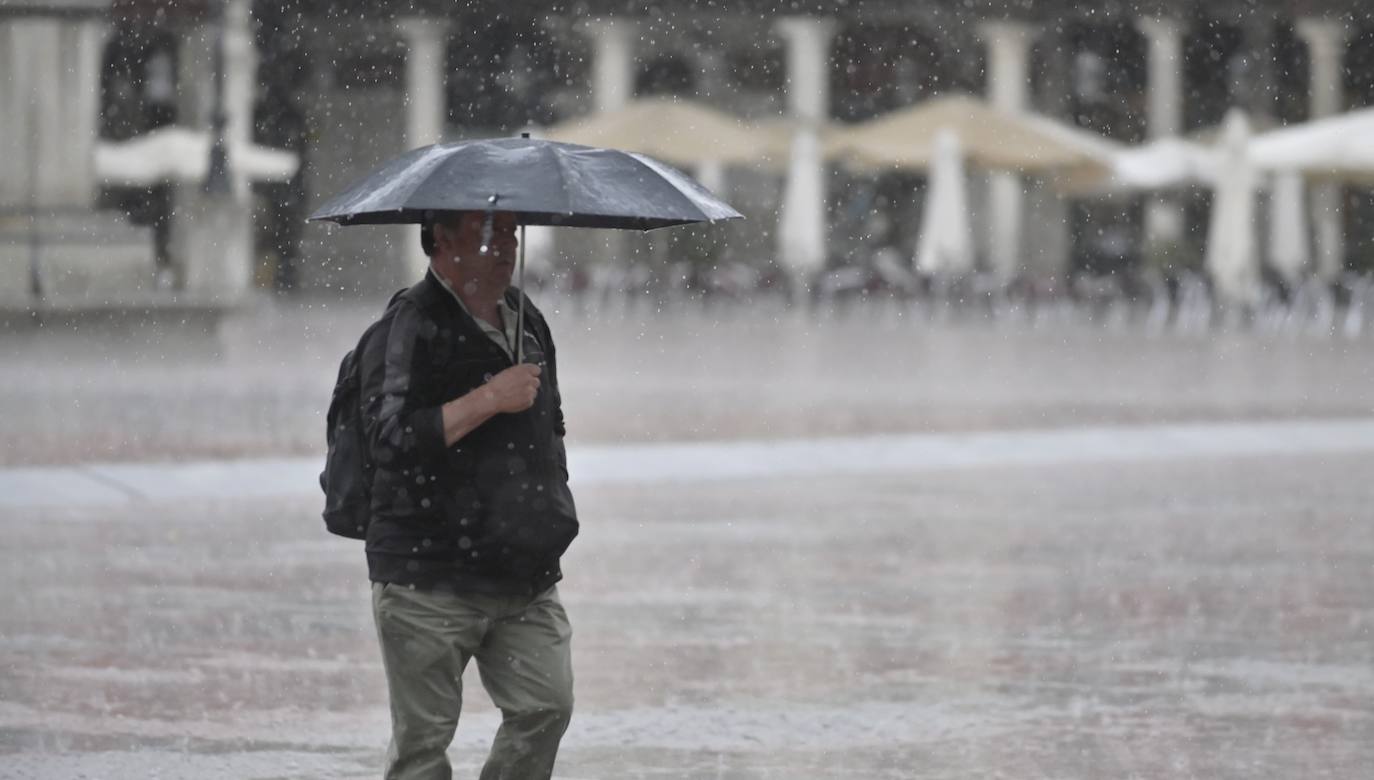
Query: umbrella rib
[
  {"x": 658, "y": 176},
  {"x": 562, "y": 181}
]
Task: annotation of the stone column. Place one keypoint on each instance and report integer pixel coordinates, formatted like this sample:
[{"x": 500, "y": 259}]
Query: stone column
[
  {"x": 196, "y": 76},
  {"x": 802, "y": 223},
  {"x": 1164, "y": 215},
  {"x": 240, "y": 80},
  {"x": 1326, "y": 41},
  {"x": 1259, "y": 90},
  {"x": 613, "y": 60},
  {"x": 611, "y": 252},
  {"x": 1048, "y": 238},
  {"x": 85, "y": 42},
  {"x": 15, "y": 98},
  {"x": 50, "y": 56},
  {"x": 50, "y": 109},
  {"x": 426, "y": 40},
  {"x": 712, "y": 83},
  {"x": 195, "y": 106},
  {"x": 1008, "y": 88},
  {"x": 211, "y": 238}
]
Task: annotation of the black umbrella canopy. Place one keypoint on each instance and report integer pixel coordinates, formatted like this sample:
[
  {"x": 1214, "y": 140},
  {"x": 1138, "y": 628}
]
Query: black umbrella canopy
[{"x": 544, "y": 182}]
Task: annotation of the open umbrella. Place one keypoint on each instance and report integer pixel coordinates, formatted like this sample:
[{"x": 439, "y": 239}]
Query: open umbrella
[
  {"x": 991, "y": 138},
  {"x": 542, "y": 182},
  {"x": 680, "y": 131},
  {"x": 1337, "y": 147}
]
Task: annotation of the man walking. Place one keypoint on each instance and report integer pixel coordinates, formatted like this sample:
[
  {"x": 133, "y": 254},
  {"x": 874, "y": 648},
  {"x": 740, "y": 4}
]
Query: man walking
[{"x": 470, "y": 506}]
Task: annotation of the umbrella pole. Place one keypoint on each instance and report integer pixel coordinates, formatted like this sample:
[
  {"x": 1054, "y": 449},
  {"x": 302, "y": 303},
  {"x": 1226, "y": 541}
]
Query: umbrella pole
[{"x": 520, "y": 305}]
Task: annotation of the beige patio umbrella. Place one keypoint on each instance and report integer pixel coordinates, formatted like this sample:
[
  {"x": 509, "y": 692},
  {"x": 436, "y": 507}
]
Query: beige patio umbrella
[
  {"x": 682, "y": 132},
  {"x": 991, "y": 138}
]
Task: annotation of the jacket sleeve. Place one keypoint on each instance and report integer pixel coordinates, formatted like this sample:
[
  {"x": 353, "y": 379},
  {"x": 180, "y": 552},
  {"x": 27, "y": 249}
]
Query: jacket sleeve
[
  {"x": 402, "y": 434},
  {"x": 558, "y": 426}
]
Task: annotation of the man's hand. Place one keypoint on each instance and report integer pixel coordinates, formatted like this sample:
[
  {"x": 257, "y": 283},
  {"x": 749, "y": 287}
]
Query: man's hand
[{"x": 512, "y": 390}]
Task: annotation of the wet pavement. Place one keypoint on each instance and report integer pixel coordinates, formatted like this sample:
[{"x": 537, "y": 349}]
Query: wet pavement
[
  {"x": 1077, "y": 551},
  {"x": 1202, "y": 616},
  {"x": 675, "y": 374}
]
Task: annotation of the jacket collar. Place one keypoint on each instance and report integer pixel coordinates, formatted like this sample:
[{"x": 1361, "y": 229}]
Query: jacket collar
[{"x": 435, "y": 296}]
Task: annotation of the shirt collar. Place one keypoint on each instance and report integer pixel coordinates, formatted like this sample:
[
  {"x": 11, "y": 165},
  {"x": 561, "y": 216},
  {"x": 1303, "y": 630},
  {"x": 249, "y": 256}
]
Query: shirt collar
[
  {"x": 504, "y": 307},
  {"x": 502, "y": 335}
]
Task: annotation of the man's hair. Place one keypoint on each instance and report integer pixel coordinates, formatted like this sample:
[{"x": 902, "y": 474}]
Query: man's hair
[
  {"x": 427, "y": 237},
  {"x": 446, "y": 218}
]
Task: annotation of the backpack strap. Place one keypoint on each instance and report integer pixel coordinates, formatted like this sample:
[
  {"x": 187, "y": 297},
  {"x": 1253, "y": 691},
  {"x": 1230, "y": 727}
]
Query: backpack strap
[{"x": 425, "y": 294}]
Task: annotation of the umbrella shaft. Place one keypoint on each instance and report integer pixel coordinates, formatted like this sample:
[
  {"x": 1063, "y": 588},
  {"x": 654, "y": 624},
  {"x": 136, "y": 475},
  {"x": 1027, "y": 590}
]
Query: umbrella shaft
[{"x": 520, "y": 305}]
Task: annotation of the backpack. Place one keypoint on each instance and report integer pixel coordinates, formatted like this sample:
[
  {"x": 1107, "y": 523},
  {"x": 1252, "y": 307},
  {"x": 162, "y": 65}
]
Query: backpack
[{"x": 348, "y": 468}]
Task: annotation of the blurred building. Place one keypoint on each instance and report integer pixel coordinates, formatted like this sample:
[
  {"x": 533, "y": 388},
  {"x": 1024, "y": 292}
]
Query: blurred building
[{"x": 349, "y": 83}]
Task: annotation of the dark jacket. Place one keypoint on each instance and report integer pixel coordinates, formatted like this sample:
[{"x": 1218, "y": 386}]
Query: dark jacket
[{"x": 490, "y": 514}]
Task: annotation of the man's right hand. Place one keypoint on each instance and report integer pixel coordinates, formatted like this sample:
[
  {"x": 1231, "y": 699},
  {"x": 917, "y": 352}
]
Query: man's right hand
[{"x": 514, "y": 389}]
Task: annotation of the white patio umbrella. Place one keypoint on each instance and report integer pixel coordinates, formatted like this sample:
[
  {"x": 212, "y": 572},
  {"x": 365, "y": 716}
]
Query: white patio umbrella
[
  {"x": 1289, "y": 252},
  {"x": 801, "y": 218},
  {"x": 1337, "y": 147},
  {"x": 1162, "y": 164},
  {"x": 181, "y": 154},
  {"x": 1231, "y": 258},
  {"x": 945, "y": 248}
]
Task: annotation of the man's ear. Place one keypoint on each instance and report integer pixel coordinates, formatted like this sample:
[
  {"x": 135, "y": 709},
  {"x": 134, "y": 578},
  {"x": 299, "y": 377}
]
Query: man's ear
[{"x": 444, "y": 238}]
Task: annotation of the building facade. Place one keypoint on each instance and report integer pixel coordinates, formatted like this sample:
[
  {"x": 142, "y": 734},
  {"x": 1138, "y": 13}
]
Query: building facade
[{"x": 349, "y": 83}]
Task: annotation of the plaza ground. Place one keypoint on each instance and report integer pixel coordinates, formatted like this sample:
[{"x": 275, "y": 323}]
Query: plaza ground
[{"x": 1145, "y": 556}]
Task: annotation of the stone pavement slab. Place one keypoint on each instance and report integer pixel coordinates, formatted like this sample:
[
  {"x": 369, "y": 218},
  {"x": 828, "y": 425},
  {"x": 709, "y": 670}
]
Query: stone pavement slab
[
  {"x": 1164, "y": 617},
  {"x": 103, "y": 483}
]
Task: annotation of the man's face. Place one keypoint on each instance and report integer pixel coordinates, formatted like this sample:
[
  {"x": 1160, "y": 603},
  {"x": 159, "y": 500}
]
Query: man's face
[{"x": 463, "y": 242}]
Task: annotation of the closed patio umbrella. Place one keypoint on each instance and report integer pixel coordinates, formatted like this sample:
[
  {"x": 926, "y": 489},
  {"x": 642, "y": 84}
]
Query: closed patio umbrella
[
  {"x": 945, "y": 248},
  {"x": 1231, "y": 251},
  {"x": 1289, "y": 252},
  {"x": 801, "y": 239}
]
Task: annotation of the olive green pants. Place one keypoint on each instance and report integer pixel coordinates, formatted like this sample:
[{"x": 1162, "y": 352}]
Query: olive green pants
[{"x": 523, "y": 651}]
